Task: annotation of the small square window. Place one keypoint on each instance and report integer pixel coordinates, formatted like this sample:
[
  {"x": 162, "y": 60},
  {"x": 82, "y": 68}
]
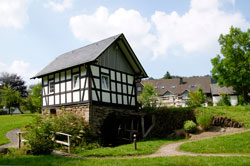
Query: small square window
[
  {"x": 76, "y": 81},
  {"x": 105, "y": 82},
  {"x": 51, "y": 86}
]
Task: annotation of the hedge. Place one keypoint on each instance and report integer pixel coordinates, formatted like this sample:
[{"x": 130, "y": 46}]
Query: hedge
[{"x": 170, "y": 119}]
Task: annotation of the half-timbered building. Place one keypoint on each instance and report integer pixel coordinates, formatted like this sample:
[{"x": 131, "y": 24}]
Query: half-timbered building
[{"x": 93, "y": 80}]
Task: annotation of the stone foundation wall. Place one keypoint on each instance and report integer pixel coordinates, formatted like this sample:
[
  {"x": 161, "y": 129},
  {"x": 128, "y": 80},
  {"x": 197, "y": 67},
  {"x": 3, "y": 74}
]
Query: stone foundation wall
[
  {"x": 100, "y": 113},
  {"x": 79, "y": 110}
]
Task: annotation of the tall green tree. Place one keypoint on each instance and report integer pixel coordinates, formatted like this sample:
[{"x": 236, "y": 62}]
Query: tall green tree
[
  {"x": 233, "y": 68},
  {"x": 196, "y": 99},
  {"x": 33, "y": 102},
  {"x": 10, "y": 98},
  {"x": 167, "y": 75},
  {"x": 149, "y": 97}
]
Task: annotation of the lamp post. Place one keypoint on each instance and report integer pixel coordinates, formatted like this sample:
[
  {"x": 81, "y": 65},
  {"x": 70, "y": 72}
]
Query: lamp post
[{"x": 135, "y": 141}]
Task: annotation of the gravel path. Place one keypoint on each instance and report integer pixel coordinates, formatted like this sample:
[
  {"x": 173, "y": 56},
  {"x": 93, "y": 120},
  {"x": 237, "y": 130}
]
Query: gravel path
[
  {"x": 172, "y": 149},
  {"x": 12, "y": 136}
]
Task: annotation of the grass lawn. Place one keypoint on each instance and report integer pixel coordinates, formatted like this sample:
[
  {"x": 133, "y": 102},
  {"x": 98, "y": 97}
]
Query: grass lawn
[
  {"x": 236, "y": 143},
  {"x": 10, "y": 122},
  {"x": 166, "y": 161},
  {"x": 238, "y": 113},
  {"x": 145, "y": 147}
]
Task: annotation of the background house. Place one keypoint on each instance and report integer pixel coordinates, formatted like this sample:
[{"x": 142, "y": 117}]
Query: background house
[
  {"x": 217, "y": 91},
  {"x": 174, "y": 92}
]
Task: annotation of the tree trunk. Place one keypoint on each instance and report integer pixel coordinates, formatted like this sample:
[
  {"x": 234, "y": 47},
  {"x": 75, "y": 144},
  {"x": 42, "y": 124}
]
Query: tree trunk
[{"x": 245, "y": 96}]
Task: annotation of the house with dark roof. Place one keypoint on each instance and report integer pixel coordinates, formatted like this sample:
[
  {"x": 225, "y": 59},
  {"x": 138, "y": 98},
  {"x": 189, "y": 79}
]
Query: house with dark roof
[
  {"x": 93, "y": 80},
  {"x": 217, "y": 91},
  {"x": 174, "y": 92}
]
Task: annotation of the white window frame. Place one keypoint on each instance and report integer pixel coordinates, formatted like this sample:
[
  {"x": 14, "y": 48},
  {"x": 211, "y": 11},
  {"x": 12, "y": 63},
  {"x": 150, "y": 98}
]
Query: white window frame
[
  {"x": 76, "y": 85},
  {"x": 105, "y": 85},
  {"x": 53, "y": 86}
]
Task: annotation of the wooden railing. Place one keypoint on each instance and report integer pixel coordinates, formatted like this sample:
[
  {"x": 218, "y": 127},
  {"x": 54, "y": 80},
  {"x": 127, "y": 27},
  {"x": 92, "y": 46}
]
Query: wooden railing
[{"x": 66, "y": 143}]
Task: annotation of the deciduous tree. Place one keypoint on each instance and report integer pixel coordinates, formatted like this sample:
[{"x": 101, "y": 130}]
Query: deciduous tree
[{"x": 233, "y": 68}]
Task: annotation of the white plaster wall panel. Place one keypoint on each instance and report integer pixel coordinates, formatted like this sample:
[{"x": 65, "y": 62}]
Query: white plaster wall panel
[
  {"x": 119, "y": 87},
  {"x": 62, "y": 98},
  {"x": 76, "y": 96},
  {"x": 113, "y": 86},
  {"x": 44, "y": 101},
  {"x": 86, "y": 95},
  {"x": 51, "y": 100},
  {"x": 83, "y": 71},
  {"x": 57, "y": 100},
  {"x": 95, "y": 70},
  {"x": 233, "y": 100},
  {"x": 129, "y": 89},
  {"x": 45, "y": 80},
  {"x": 68, "y": 83},
  {"x": 112, "y": 75},
  {"x": 76, "y": 69},
  {"x": 130, "y": 79},
  {"x": 118, "y": 76},
  {"x": 124, "y": 79},
  {"x": 62, "y": 76},
  {"x": 83, "y": 82},
  {"x": 69, "y": 100},
  {"x": 106, "y": 97},
  {"x": 97, "y": 83},
  {"x": 124, "y": 89},
  {"x": 68, "y": 74},
  {"x": 216, "y": 99},
  {"x": 45, "y": 90},
  {"x": 63, "y": 87},
  {"x": 57, "y": 77},
  {"x": 133, "y": 91},
  {"x": 57, "y": 88},
  {"x": 133, "y": 101},
  {"x": 125, "y": 99},
  {"x": 94, "y": 97},
  {"x": 114, "y": 98},
  {"x": 105, "y": 70},
  {"x": 119, "y": 99}
]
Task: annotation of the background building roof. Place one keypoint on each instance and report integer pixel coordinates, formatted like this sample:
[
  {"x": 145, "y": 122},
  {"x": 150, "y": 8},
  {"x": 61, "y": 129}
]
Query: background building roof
[{"x": 217, "y": 90}]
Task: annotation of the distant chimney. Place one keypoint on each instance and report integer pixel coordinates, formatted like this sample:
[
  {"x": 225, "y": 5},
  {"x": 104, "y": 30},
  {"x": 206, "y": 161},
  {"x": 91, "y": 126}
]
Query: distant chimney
[{"x": 181, "y": 80}]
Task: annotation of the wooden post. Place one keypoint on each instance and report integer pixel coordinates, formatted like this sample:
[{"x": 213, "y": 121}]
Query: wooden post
[
  {"x": 69, "y": 143},
  {"x": 19, "y": 140}
]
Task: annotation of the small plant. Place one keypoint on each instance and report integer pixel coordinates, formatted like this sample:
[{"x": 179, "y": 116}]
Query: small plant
[
  {"x": 204, "y": 120},
  {"x": 190, "y": 126}
]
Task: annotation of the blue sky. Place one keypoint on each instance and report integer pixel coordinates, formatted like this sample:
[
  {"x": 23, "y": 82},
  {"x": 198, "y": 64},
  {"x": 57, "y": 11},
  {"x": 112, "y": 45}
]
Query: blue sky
[{"x": 177, "y": 36}]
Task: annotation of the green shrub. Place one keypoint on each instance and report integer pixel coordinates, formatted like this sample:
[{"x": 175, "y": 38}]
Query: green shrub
[
  {"x": 224, "y": 101},
  {"x": 190, "y": 126},
  {"x": 74, "y": 125},
  {"x": 39, "y": 136},
  {"x": 204, "y": 120}
]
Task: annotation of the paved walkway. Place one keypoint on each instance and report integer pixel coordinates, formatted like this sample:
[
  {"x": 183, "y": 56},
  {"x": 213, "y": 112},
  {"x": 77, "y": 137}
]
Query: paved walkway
[
  {"x": 173, "y": 148},
  {"x": 12, "y": 136}
]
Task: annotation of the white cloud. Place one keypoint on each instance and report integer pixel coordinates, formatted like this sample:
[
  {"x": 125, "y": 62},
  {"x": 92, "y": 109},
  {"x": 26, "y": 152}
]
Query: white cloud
[
  {"x": 194, "y": 33},
  {"x": 20, "y": 68},
  {"x": 59, "y": 6},
  {"x": 198, "y": 30},
  {"x": 102, "y": 24},
  {"x": 13, "y": 13}
]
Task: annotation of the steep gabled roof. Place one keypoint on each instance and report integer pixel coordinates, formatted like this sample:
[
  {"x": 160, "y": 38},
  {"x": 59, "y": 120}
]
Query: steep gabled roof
[
  {"x": 178, "y": 86},
  {"x": 217, "y": 90},
  {"x": 90, "y": 53}
]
